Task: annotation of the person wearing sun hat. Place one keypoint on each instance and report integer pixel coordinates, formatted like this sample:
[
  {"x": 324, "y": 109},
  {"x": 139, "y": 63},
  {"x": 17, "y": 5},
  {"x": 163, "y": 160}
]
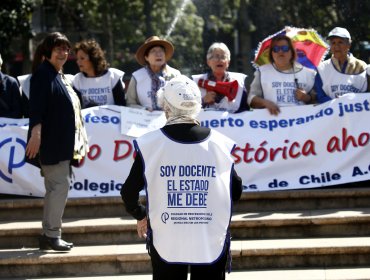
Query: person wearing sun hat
[
  {"x": 342, "y": 73},
  {"x": 153, "y": 55},
  {"x": 193, "y": 164}
]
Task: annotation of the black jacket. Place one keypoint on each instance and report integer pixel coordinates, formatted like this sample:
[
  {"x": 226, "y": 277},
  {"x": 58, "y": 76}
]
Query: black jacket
[
  {"x": 51, "y": 105},
  {"x": 10, "y": 97}
]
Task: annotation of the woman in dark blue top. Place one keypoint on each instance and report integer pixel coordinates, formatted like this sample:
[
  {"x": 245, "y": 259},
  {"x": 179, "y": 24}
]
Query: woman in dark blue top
[{"x": 56, "y": 136}]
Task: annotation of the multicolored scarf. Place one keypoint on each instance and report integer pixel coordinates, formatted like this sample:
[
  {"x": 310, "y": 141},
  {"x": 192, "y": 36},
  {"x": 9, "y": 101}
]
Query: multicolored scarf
[
  {"x": 158, "y": 81},
  {"x": 81, "y": 147}
]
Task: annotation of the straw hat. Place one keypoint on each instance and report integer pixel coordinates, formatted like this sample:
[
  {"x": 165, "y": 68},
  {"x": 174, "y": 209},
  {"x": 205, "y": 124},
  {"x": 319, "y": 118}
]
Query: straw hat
[{"x": 151, "y": 42}]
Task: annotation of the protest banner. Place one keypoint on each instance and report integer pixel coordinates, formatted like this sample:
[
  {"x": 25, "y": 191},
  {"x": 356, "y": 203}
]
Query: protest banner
[{"x": 303, "y": 147}]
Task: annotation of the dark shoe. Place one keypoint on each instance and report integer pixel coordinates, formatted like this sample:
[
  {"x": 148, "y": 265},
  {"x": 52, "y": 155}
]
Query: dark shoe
[
  {"x": 70, "y": 244},
  {"x": 57, "y": 244}
]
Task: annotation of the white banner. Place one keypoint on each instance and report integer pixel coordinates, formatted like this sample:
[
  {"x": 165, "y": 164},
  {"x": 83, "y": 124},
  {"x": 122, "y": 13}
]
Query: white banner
[
  {"x": 137, "y": 122},
  {"x": 303, "y": 147}
]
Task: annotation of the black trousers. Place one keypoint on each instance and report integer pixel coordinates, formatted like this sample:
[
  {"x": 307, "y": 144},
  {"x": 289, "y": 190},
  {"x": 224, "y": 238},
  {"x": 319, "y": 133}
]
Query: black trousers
[{"x": 166, "y": 271}]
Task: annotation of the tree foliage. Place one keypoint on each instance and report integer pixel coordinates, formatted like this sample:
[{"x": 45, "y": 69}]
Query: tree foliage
[
  {"x": 322, "y": 15},
  {"x": 15, "y": 20},
  {"x": 121, "y": 26}
]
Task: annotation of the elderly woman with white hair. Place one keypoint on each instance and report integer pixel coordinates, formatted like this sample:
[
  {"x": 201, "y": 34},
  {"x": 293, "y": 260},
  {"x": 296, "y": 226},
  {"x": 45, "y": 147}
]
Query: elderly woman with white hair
[
  {"x": 342, "y": 73},
  {"x": 218, "y": 60},
  {"x": 189, "y": 172}
]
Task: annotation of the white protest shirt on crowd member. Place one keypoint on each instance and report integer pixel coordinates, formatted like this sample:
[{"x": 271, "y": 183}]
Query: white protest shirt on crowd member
[
  {"x": 25, "y": 82},
  {"x": 144, "y": 83},
  {"x": 98, "y": 90},
  {"x": 225, "y": 104},
  {"x": 336, "y": 84},
  {"x": 188, "y": 192},
  {"x": 280, "y": 87}
]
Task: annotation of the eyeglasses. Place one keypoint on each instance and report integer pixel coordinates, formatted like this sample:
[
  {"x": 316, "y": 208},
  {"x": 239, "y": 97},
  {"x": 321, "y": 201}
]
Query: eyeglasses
[
  {"x": 283, "y": 48},
  {"x": 218, "y": 57},
  {"x": 157, "y": 51},
  {"x": 62, "y": 50}
]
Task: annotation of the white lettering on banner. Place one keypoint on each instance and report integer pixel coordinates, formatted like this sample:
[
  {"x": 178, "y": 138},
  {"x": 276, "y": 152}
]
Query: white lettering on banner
[{"x": 302, "y": 147}]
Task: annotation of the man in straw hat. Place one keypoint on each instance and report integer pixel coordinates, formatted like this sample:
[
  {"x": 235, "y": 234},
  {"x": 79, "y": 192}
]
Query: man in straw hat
[
  {"x": 190, "y": 185},
  {"x": 153, "y": 55}
]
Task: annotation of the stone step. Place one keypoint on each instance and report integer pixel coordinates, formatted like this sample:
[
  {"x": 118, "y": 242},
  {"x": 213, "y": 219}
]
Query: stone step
[
  {"x": 340, "y": 196},
  {"x": 24, "y": 208},
  {"x": 101, "y": 231},
  {"x": 30, "y": 208},
  {"x": 114, "y": 230},
  {"x": 321, "y": 273},
  {"x": 305, "y": 252},
  {"x": 304, "y": 223},
  {"x": 133, "y": 258}
]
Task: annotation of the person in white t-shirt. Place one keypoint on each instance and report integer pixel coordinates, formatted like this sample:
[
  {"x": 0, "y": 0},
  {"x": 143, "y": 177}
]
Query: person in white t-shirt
[
  {"x": 282, "y": 82},
  {"x": 97, "y": 83}
]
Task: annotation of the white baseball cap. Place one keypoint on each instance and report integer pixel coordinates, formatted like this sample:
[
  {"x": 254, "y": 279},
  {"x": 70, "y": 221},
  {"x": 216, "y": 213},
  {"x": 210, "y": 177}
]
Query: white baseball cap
[
  {"x": 182, "y": 93},
  {"x": 340, "y": 32}
]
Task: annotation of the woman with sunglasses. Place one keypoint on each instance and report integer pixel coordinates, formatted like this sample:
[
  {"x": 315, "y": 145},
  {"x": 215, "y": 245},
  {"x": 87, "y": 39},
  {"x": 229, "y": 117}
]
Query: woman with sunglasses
[{"x": 282, "y": 82}]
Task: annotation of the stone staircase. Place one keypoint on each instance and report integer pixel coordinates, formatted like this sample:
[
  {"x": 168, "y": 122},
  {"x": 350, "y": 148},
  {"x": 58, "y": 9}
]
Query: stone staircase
[{"x": 299, "y": 231}]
